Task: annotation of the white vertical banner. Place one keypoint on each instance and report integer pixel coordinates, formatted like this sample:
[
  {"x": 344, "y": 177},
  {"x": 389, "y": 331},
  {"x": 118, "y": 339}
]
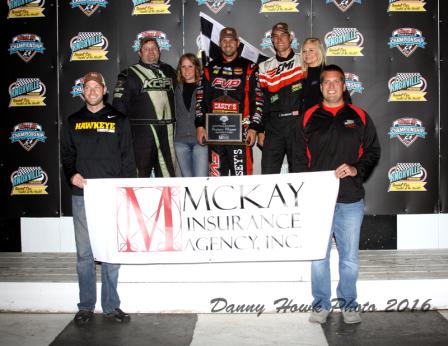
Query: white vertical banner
[{"x": 220, "y": 219}]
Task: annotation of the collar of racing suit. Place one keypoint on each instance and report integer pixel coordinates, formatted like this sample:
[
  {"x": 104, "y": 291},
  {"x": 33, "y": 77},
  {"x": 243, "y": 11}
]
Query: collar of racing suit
[
  {"x": 151, "y": 66},
  {"x": 290, "y": 55}
]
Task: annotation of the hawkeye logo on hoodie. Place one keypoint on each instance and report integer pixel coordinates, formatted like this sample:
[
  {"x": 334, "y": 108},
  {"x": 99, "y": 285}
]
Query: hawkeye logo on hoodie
[{"x": 99, "y": 126}]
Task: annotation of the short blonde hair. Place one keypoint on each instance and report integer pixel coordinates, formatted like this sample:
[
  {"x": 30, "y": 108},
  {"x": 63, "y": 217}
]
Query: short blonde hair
[{"x": 322, "y": 59}]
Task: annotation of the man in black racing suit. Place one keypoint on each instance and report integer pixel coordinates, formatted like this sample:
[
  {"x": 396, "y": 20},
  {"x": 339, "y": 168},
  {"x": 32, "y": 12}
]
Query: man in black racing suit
[
  {"x": 229, "y": 84},
  {"x": 145, "y": 93}
]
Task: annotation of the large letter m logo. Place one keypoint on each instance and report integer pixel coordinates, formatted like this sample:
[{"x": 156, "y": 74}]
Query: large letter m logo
[{"x": 148, "y": 219}]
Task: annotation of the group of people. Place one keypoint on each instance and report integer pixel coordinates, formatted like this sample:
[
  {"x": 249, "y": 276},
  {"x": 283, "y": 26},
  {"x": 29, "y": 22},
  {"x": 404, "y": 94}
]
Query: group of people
[{"x": 292, "y": 105}]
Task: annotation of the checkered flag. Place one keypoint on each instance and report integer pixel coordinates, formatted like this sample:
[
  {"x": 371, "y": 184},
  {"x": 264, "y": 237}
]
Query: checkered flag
[{"x": 210, "y": 30}]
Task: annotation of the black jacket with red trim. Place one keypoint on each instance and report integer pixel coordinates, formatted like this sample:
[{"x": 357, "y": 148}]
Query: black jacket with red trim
[
  {"x": 237, "y": 79},
  {"x": 324, "y": 142}
]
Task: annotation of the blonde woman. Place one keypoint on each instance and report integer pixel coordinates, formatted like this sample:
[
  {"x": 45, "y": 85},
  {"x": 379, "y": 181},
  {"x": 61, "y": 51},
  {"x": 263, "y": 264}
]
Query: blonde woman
[{"x": 313, "y": 61}]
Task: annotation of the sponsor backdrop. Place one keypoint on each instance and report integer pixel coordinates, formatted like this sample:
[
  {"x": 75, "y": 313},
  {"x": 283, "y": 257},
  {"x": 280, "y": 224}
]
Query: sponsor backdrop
[{"x": 389, "y": 50}]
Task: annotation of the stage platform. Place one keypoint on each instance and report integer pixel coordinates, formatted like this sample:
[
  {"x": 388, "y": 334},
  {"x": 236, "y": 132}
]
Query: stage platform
[{"x": 389, "y": 280}]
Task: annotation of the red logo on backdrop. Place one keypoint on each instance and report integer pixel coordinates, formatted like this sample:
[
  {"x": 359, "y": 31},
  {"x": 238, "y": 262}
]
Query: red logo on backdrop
[{"x": 149, "y": 224}]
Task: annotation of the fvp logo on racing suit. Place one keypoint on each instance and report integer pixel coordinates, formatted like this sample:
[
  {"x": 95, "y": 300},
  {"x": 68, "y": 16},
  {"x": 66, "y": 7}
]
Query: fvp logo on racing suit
[
  {"x": 215, "y": 5},
  {"x": 151, "y": 7},
  {"x": 162, "y": 84},
  {"x": 406, "y": 6},
  {"x": 26, "y": 8},
  {"x": 214, "y": 165},
  {"x": 407, "y": 40},
  {"x": 343, "y": 5},
  {"x": 160, "y": 36},
  {"x": 88, "y": 7},
  {"x": 26, "y": 46},
  {"x": 226, "y": 84},
  {"x": 279, "y": 6}
]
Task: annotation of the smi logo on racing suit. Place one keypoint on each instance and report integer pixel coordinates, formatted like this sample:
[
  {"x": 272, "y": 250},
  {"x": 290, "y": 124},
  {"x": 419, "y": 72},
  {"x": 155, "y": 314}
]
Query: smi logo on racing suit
[
  {"x": 25, "y": 8},
  {"x": 26, "y": 46},
  {"x": 344, "y": 42},
  {"x": 88, "y": 7},
  {"x": 26, "y": 92},
  {"x": 407, "y": 87},
  {"x": 89, "y": 46},
  {"x": 407, "y": 40},
  {"x": 343, "y": 5},
  {"x": 164, "y": 43}
]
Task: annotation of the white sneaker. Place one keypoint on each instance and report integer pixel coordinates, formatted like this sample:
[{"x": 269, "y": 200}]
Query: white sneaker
[
  {"x": 319, "y": 316},
  {"x": 351, "y": 317}
]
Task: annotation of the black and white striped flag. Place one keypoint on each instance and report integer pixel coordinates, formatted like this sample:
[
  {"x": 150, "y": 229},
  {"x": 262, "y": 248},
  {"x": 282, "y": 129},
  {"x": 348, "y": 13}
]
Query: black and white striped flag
[{"x": 210, "y": 30}]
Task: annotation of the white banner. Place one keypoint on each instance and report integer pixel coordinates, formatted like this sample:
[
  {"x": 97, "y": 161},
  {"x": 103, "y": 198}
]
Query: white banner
[{"x": 220, "y": 219}]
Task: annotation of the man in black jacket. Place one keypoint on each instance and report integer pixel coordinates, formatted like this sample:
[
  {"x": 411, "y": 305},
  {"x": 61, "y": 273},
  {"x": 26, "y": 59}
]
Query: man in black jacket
[
  {"x": 229, "y": 84},
  {"x": 96, "y": 143},
  {"x": 145, "y": 93},
  {"x": 338, "y": 136}
]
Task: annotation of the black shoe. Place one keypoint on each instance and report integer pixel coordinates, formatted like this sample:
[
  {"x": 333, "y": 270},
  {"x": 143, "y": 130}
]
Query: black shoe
[
  {"x": 83, "y": 317},
  {"x": 119, "y": 315}
]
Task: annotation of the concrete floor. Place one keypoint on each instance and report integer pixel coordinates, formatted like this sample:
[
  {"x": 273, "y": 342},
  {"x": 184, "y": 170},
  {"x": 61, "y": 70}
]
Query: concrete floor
[{"x": 378, "y": 328}]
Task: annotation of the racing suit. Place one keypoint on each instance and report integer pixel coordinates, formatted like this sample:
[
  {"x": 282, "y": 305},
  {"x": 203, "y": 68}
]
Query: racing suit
[
  {"x": 230, "y": 87},
  {"x": 281, "y": 80},
  {"x": 145, "y": 93}
]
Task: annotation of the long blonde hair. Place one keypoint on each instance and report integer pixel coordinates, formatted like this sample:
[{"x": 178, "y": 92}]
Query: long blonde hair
[{"x": 322, "y": 59}]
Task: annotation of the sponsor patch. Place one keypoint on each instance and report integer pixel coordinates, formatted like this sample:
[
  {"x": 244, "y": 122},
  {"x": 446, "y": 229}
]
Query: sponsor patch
[
  {"x": 407, "y": 177},
  {"x": 25, "y": 8},
  {"x": 88, "y": 7},
  {"x": 29, "y": 181},
  {"x": 25, "y": 92},
  {"x": 349, "y": 123},
  {"x": 226, "y": 84},
  {"x": 89, "y": 46},
  {"x": 270, "y": 6},
  {"x": 26, "y": 46},
  {"x": 214, "y": 165},
  {"x": 344, "y": 42},
  {"x": 296, "y": 87},
  {"x": 99, "y": 126},
  {"x": 407, "y": 40},
  {"x": 407, "y": 87},
  {"x": 27, "y": 135},
  {"x": 407, "y": 130}
]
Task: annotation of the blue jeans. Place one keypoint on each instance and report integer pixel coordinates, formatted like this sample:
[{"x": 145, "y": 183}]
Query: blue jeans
[
  {"x": 346, "y": 227},
  {"x": 86, "y": 266},
  {"x": 192, "y": 159}
]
